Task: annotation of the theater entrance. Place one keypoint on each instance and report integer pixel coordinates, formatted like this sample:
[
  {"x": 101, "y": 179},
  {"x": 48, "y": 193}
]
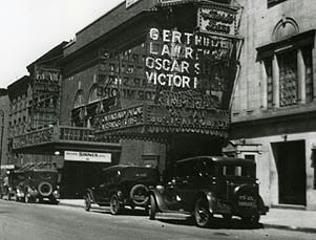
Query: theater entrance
[{"x": 290, "y": 161}]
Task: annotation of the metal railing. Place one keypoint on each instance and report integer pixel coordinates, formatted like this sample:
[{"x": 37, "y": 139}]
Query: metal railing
[{"x": 54, "y": 134}]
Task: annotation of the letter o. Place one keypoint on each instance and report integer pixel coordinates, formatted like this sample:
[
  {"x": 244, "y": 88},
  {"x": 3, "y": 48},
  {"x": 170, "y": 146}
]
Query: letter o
[
  {"x": 177, "y": 81},
  {"x": 150, "y": 62}
]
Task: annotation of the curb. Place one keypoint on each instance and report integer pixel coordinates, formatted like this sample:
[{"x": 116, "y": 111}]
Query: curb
[
  {"x": 70, "y": 205},
  {"x": 289, "y": 228},
  {"x": 265, "y": 225}
]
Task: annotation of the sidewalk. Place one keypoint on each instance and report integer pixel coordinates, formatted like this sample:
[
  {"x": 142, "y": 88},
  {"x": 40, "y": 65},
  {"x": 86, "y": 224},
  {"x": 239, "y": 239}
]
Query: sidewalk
[{"x": 288, "y": 219}]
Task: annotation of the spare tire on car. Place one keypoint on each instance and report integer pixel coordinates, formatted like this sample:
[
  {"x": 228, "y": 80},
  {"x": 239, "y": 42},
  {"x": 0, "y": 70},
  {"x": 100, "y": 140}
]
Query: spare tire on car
[
  {"x": 139, "y": 195},
  {"x": 45, "y": 189}
]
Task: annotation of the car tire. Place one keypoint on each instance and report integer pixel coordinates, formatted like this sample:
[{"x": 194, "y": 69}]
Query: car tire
[
  {"x": 152, "y": 207},
  {"x": 87, "y": 203},
  {"x": 28, "y": 198},
  {"x": 136, "y": 188},
  {"x": 202, "y": 215},
  {"x": 115, "y": 205},
  {"x": 45, "y": 189}
]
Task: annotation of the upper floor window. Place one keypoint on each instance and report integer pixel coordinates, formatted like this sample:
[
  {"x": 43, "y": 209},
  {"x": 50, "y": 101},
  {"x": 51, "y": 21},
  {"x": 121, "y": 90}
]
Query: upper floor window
[
  {"x": 288, "y": 65},
  {"x": 289, "y": 78},
  {"x": 272, "y": 3},
  {"x": 79, "y": 100}
]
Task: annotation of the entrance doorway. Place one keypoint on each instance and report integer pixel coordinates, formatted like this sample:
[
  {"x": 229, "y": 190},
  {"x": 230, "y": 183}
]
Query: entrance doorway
[
  {"x": 78, "y": 176},
  {"x": 290, "y": 162}
]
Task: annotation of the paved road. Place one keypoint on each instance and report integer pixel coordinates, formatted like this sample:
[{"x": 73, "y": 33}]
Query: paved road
[{"x": 20, "y": 221}]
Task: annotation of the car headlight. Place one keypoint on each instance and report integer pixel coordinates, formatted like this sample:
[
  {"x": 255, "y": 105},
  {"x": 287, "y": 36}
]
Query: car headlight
[{"x": 119, "y": 193}]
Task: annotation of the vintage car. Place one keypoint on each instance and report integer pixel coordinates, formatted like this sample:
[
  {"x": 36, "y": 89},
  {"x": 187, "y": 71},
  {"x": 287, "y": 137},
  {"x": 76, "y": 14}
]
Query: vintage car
[
  {"x": 8, "y": 185},
  {"x": 122, "y": 185},
  {"x": 37, "y": 185},
  {"x": 205, "y": 186}
]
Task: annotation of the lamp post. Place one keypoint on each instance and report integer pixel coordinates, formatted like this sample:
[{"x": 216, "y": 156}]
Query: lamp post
[{"x": 1, "y": 136}]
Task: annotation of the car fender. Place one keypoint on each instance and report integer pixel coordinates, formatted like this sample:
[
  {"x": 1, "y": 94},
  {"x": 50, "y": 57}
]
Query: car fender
[
  {"x": 210, "y": 199},
  {"x": 261, "y": 207},
  {"x": 158, "y": 195}
]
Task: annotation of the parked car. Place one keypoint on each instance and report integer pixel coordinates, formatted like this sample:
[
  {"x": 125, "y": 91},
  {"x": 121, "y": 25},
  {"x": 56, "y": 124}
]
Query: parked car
[
  {"x": 8, "y": 185},
  {"x": 37, "y": 185},
  {"x": 204, "y": 186},
  {"x": 122, "y": 185}
]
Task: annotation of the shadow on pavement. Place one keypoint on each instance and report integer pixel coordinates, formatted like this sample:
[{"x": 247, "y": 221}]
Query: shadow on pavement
[
  {"x": 217, "y": 223},
  {"x": 125, "y": 212}
]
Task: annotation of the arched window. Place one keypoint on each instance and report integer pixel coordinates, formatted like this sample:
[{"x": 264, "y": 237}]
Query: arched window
[
  {"x": 93, "y": 94},
  {"x": 78, "y": 102}
]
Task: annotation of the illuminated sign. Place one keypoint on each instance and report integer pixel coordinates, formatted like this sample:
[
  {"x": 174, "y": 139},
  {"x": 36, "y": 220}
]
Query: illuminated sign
[
  {"x": 153, "y": 118},
  {"x": 123, "y": 118},
  {"x": 217, "y": 20},
  {"x": 131, "y": 2},
  {"x": 88, "y": 156},
  {"x": 184, "y": 61}
]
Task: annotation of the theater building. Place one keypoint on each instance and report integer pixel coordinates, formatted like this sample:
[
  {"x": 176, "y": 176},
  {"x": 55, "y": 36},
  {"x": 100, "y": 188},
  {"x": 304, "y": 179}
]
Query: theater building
[
  {"x": 141, "y": 85},
  {"x": 155, "y": 78},
  {"x": 274, "y": 110}
]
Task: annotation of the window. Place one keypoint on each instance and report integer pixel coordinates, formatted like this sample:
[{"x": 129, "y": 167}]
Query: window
[
  {"x": 288, "y": 78},
  {"x": 289, "y": 81},
  {"x": 268, "y": 68},
  {"x": 250, "y": 157},
  {"x": 78, "y": 99},
  {"x": 272, "y": 3},
  {"x": 307, "y": 56}
]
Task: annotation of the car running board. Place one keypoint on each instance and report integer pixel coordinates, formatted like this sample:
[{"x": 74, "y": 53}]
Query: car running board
[{"x": 173, "y": 215}]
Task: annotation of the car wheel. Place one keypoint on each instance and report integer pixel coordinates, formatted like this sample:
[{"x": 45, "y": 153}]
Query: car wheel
[
  {"x": 87, "y": 203},
  {"x": 115, "y": 205},
  {"x": 202, "y": 215},
  {"x": 252, "y": 220},
  {"x": 139, "y": 195},
  {"x": 28, "y": 198},
  {"x": 152, "y": 207}
]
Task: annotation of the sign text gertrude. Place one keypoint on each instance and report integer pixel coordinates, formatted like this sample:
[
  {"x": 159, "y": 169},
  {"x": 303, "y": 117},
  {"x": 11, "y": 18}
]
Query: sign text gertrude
[{"x": 176, "y": 59}]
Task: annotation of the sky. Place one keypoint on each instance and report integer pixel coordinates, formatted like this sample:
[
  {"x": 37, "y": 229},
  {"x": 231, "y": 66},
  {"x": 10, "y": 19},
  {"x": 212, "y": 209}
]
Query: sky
[{"x": 30, "y": 28}]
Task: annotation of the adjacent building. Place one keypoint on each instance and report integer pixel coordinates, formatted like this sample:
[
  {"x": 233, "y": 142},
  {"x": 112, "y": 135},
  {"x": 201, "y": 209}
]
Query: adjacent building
[
  {"x": 274, "y": 110},
  {"x": 4, "y": 106}
]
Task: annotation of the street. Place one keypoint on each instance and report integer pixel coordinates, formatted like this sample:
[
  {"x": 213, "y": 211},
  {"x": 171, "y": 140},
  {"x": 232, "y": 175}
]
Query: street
[{"x": 20, "y": 221}]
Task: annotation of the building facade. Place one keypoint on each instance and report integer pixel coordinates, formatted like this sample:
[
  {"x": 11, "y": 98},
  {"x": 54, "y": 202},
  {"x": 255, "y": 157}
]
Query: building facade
[
  {"x": 4, "y": 107},
  {"x": 273, "y": 113},
  {"x": 154, "y": 82}
]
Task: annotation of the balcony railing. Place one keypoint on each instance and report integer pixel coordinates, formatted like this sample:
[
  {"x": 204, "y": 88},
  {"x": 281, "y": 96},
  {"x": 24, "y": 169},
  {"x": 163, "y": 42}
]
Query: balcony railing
[{"x": 53, "y": 134}]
